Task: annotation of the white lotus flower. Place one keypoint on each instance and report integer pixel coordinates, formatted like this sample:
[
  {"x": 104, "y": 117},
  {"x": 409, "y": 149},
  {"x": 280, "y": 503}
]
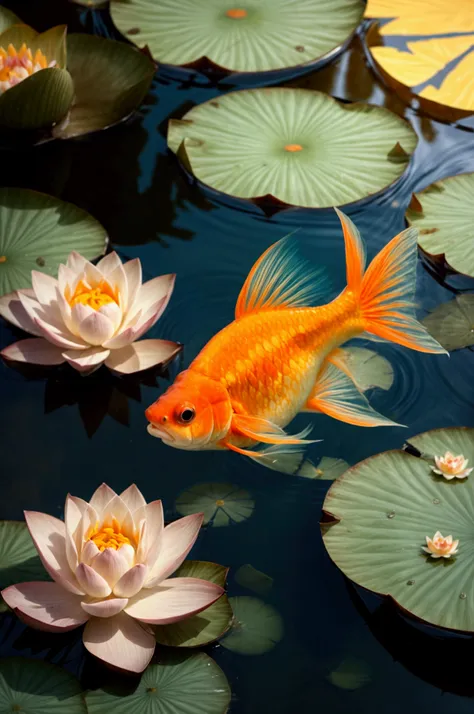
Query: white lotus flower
[
  {"x": 110, "y": 562},
  {"x": 441, "y": 547},
  {"x": 451, "y": 466},
  {"x": 90, "y": 315}
]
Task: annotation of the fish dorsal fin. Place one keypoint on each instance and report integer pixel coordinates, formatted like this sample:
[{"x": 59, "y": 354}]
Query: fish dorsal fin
[{"x": 281, "y": 279}]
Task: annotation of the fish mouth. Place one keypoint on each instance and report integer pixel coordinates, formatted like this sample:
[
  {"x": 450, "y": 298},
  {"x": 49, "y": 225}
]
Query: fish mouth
[{"x": 160, "y": 433}]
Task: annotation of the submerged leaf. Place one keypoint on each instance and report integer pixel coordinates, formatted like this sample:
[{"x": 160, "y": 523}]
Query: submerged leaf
[
  {"x": 256, "y": 629},
  {"x": 368, "y": 368},
  {"x": 297, "y": 146},
  {"x": 254, "y": 38},
  {"x": 327, "y": 469},
  {"x": 223, "y": 504},
  {"x": 249, "y": 577},
  {"x": 452, "y": 323},
  {"x": 351, "y": 674}
]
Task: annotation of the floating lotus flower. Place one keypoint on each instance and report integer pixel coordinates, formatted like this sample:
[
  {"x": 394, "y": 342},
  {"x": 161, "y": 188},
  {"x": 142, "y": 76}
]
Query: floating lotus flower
[
  {"x": 291, "y": 146},
  {"x": 111, "y": 563},
  {"x": 67, "y": 86},
  {"x": 441, "y": 547},
  {"x": 90, "y": 315},
  {"x": 451, "y": 466}
]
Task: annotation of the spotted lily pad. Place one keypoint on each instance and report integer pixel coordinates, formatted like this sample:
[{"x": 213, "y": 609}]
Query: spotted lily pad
[
  {"x": 223, "y": 504},
  {"x": 208, "y": 625},
  {"x": 292, "y": 146},
  {"x": 417, "y": 54},
  {"x": 179, "y": 684},
  {"x": 257, "y": 627},
  {"x": 452, "y": 323},
  {"x": 257, "y": 36},
  {"x": 377, "y": 518},
  {"x": 36, "y": 687},
  {"x": 445, "y": 221},
  {"x": 38, "y": 232}
]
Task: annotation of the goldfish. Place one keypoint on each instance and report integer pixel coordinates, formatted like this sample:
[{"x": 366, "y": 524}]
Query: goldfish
[{"x": 282, "y": 354}]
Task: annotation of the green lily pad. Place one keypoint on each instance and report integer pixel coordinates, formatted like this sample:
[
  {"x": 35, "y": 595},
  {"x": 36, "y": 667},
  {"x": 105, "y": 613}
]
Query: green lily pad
[
  {"x": 180, "y": 684},
  {"x": 369, "y": 369},
  {"x": 452, "y": 323},
  {"x": 351, "y": 674},
  {"x": 328, "y": 469},
  {"x": 19, "y": 559},
  {"x": 445, "y": 222},
  {"x": 256, "y": 629},
  {"x": 38, "y": 232},
  {"x": 254, "y": 37},
  {"x": 110, "y": 81},
  {"x": 208, "y": 625},
  {"x": 292, "y": 146},
  {"x": 223, "y": 504},
  {"x": 249, "y": 577},
  {"x": 7, "y": 18},
  {"x": 379, "y": 514},
  {"x": 34, "y": 687}
]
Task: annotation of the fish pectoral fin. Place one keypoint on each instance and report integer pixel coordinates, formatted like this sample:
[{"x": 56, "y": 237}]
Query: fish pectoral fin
[
  {"x": 336, "y": 395},
  {"x": 264, "y": 431},
  {"x": 285, "y": 458}
]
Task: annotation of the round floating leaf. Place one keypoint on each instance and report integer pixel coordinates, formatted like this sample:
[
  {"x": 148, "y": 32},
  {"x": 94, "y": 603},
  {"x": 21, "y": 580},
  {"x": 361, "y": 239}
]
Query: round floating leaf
[
  {"x": 379, "y": 514},
  {"x": 223, "y": 504},
  {"x": 179, "y": 684},
  {"x": 446, "y": 220},
  {"x": 368, "y": 368},
  {"x": 452, "y": 323},
  {"x": 208, "y": 625},
  {"x": 110, "y": 81},
  {"x": 254, "y": 37},
  {"x": 7, "y": 18},
  {"x": 300, "y": 147},
  {"x": 256, "y": 629},
  {"x": 38, "y": 232},
  {"x": 19, "y": 560},
  {"x": 439, "y": 70},
  {"x": 36, "y": 687},
  {"x": 327, "y": 469}
]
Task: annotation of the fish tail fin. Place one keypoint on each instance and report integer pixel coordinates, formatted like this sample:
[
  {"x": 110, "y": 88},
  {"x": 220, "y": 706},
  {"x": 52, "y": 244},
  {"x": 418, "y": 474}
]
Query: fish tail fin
[{"x": 386, "y": 290}]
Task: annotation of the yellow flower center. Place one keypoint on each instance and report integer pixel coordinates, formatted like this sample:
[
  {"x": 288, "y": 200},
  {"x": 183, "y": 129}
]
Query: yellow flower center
[
  {"x": 3, "y": 258},
  {"x": 220, "y": 502},
  {"x": 16, "y": 65},
  {"x": 236, "y": 13},
  {"x": 293, "y": 147},
  {"x": 94, "y": 297},
  {"x": 108, "y": 536}
]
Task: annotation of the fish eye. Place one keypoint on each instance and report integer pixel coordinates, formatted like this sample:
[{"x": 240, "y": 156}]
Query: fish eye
[{"x": 186, "y": 414}]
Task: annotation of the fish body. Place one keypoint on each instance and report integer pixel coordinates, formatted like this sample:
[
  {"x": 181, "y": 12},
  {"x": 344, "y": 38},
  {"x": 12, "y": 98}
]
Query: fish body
[{"x": 282, "y": 353}]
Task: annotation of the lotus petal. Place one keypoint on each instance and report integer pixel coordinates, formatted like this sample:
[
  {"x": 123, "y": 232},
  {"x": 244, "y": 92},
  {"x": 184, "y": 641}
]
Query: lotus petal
[
  {"x": 104, "y": 608},
  {"x": 152, "y": 292},
  {"x": 111, "y": 565},
  {"x": 133, "y": 271},
  {"x": 141, "y": 355},
  {"x": 133, "y": 498},
  {"x": 46, "y": 605},
  {"x": 92, "y": 583},
  {"x": 34, "y": 350},
  {"x": 131, "y": 582},
  {"x": 108, "y": 264},
  {"x": 96, "y": 329},
  {"x": 86, "y": 360},
  {"x": 177, "y": 540},
  {"x": 101, "y": 498},
  {"x": 44, "y": 287},
  {"x": 120, "y": 641},
  {"x": 12, "y": 310}
]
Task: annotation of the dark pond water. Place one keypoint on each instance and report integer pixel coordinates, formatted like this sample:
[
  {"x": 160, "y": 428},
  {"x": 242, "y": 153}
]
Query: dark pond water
[{"x": 62, "y": 433}]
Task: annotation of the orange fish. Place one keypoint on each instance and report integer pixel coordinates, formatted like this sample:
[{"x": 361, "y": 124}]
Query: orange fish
[{"x": 281, "y": 355}]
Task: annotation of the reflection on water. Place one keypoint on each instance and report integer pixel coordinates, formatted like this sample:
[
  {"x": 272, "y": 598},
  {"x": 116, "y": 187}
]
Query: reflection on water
[{"x": 126, "y": 178}]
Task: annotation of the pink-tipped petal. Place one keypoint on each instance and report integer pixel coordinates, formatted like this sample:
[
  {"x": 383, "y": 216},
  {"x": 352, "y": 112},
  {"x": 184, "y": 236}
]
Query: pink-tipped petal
[
  {"x": 93, "y": 275},
  {"x": 133, "y": 498},
  {"x": 44, "y": 287},
  {"x": 105, "y": 608},
  {"x": 96, "y": 329},
  {"x": 108, "y": 263},
  {"x": 147, "y": 320},
  {"x": 49, "y": 536},
  {"x": 91, "y": 582},
  {"x": 86, "y": 361},
  {"x": 46, "y": 606},
  {"x": 156, "y": 290},
  {"x": 111, "y": 565},
  {"x": 131, "y": 582},
  {"x": 117, "y": 280},
  {"x": 116, "y": 508},
  {"x": 133, "y": 271},
  {"x": 57, "y": 335},
  {"x": 12, "y": 310},
  {"x": 173, "y": 600},
  {"x": 101, "y": 498},
  {"x": 120, "y": 641},
  {"x": 34, "y": 350},
  {"x": 113, "y": 312},
  {"x": 141, "y": 355},
  {"x": 155, "y": 525},
  {"x": 177, "y": 540},
  {"x": 75, "y": 262}
]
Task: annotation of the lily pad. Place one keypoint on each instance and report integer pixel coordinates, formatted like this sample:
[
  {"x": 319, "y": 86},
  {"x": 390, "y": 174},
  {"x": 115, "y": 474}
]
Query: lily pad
[
  {"x": 446, "y": 220},
  {"x": 19, "y": 559},
  {"x": 38, "y": 232},
  {"x": 452, "y": 323},
  {"x": 223, "y": 504},
  {"x": 208, "y": 625},
  {"x": 35, "y": 687},
  {"x": 438, "y": 70},
  {"x": 110, "y": 81},
  {"x": 328, "y": 469},
  {"x": 377, "y": 517},
  {"x": 179, "y": 684},
  {"x": 249, "y": 577},
  {"x": 350, "y": 674},
  {"x": 7, "y": 18},
  {"x": 369, "y": 369},
  {"x": 292, "y": 146},
  {"x": 257, "y": 627},
  {"x": 254, "y": 37}
]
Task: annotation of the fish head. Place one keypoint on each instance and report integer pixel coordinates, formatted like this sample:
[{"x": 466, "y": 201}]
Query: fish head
[{"x": 194, "y": 413}]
